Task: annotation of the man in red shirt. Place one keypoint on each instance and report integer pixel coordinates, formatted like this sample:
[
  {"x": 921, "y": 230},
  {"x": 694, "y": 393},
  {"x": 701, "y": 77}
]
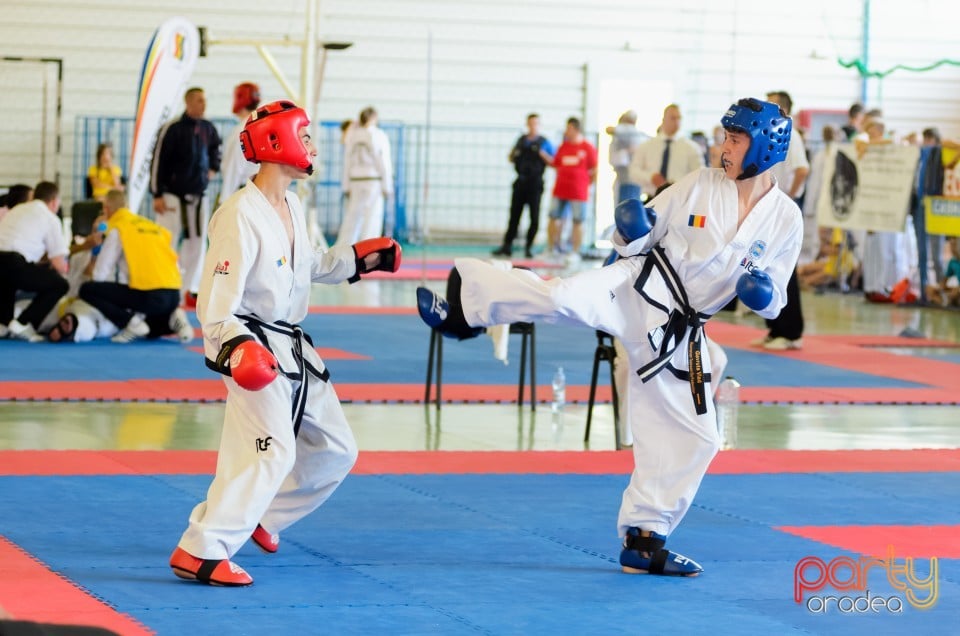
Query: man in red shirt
[{"x": 576, "y": 166}]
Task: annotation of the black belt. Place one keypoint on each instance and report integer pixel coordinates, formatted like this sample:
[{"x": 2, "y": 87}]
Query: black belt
[
  {"x": 680, "y": 321},
  {"x": 304, "y": 368}
]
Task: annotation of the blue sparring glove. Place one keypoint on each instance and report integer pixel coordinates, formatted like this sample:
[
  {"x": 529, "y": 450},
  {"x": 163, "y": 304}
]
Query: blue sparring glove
[
  {"x": 755, "y": 289},
  {"x": 633, "y": 219}
]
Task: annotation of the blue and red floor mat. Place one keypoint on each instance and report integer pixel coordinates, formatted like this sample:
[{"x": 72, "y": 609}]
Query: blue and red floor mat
[
  {"x": 380, "y": 355},
  {"x": 468, "y": 542}
]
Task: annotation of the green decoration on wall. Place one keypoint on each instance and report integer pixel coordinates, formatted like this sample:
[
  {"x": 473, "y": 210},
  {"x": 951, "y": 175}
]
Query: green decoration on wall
[{"x": 862, "y": 69}]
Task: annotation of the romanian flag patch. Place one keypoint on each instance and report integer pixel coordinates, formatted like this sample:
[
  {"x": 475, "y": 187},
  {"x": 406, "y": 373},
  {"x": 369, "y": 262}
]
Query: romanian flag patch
[
  {"x": 281, "y": 261},
  {"x": 697, "y": 220}
]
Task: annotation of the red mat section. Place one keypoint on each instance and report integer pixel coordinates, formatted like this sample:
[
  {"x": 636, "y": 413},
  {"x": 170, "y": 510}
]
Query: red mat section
[
  {"x": 853, "y": 353},
  {"x": 213, "y": 390},
  {"x": 926, "y": 542},
  {"x": 736, "y": 462},
  {"x": 31, "y": 591}
]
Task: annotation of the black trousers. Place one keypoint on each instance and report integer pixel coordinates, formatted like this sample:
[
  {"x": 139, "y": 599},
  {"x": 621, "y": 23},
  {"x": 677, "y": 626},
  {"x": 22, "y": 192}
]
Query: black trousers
[
  {"x": 118, "y": 302},
  {"x": 529, "y": 194},
  {"x": 18, "y": 274},
  {"x": 789, "y": 324}
]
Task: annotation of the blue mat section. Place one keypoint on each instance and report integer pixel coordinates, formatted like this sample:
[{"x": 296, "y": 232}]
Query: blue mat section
[
  {"x": 398, "y": 346},
  {"x": 488, "y": 554}
]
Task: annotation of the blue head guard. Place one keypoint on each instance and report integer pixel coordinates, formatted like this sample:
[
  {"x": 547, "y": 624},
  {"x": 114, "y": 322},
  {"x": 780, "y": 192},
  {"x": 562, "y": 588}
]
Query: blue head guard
[{"x": 769, "y": 131}]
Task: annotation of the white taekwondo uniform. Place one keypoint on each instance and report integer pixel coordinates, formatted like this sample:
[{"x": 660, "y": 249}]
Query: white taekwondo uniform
[
  {"x": 672, "y": 418},
  {"x": 368, "y": 179},
  {"x": 286, "y": 448}
]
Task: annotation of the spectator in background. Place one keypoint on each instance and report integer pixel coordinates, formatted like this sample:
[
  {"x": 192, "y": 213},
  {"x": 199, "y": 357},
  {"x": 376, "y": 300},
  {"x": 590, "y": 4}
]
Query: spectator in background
[
  {"x": 660, "y": 161},
  {"x": 367, "y": 179},
  {"x": 345, "y": 126},
  {"x": 700, "y": 138},
  {"x": 626, "y": 139},
  {"x": 530, "y": 156},
  {"x": 33, "y": 258},
  {"x": 136, "y": 279},
  {"x": 16, "y": 194},
  {"x": 812, "y": 243},
  {"x": 716, "y": 150},
  {"x": 104, "y": 175},
  {"x": 886, "y": 255},
  {"x": 833, "y": 265},
  {"x": 854, "y": 125},
  {"x": 576, "y": 166},
  {"x": 235, "y": 169},
  {"x": 933, "y": 185},
  {"x": 185, "y": 159},
  {"x": 946, "y": 291},
  {"x": 785, "y": 331}
]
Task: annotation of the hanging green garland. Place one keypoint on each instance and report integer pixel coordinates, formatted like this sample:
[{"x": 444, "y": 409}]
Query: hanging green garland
[{"x": 862, "y": 69}]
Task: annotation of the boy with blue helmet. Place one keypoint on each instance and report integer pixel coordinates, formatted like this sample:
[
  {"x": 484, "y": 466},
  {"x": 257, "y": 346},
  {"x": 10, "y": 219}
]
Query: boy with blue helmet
[
  {"x": 769, "y": 129},
  {"x": 714, "y": 234}
]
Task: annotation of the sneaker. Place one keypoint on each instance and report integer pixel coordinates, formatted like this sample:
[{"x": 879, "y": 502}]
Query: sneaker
[
  {"x": 135, "y": 329},
  {"x": 502, "y": 251},
  {"x": 573, "y": 258},
  {"x": 645, "y": 554},
  {"x": 783, "y": 344},
  {"x": 181, "y": 326},
  {"x": 267, "y": 542},
  {"x": 760, "y": 342},
  {"x": 24, "y": 332},
  {"x": 212, "y": 571}
]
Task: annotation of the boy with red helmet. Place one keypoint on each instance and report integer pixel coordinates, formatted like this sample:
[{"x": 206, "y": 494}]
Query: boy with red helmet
[{"x": 286, "y": 444}]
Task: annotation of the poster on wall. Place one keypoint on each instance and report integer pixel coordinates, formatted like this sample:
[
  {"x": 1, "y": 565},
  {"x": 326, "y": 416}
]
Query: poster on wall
[
  {"x": 167, "y": 67},
  {"x": 943, "y": 212},
  {"x": 867, "y": 187}
]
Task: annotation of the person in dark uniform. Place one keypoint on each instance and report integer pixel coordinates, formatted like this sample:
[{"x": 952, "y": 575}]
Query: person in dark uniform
[{"x": 530, "y": 156}]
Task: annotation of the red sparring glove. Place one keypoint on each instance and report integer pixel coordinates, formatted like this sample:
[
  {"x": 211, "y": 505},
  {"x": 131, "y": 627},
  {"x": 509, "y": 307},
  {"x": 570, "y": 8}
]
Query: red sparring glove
[
  {"x": 387, "y": 248},
  {"x": 252, "y": 366}
]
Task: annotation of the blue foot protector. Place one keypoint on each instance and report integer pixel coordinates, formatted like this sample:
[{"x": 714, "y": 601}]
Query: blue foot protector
[
  {"x": 646, "y": 555},
  {"x": 438, "y": 313},
  {"x": 433, "y": 308}
]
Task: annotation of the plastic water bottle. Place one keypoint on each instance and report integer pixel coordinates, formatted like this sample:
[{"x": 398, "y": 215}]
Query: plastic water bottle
[
  {"x": 728, "y": 404},
  {"x": 559, "y": 390}
]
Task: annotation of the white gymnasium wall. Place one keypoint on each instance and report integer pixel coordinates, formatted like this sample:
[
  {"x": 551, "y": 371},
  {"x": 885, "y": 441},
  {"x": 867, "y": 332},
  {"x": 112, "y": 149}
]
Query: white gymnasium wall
[{"x": 494, "y": 61}]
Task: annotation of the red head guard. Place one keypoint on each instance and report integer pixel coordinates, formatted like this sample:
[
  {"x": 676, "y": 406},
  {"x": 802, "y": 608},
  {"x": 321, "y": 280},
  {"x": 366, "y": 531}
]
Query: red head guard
[
  {"x": 246, "y": 96},
  {"x": 272, "y": 134}
]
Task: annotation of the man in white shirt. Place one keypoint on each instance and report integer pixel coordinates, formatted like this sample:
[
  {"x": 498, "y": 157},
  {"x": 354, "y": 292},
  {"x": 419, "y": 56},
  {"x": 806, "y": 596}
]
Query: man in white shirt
[
  {"x": 660, "y": 161},
  {"x": 29, "y": 233}
]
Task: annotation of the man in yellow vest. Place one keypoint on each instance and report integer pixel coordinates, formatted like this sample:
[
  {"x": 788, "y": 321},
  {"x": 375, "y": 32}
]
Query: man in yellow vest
[{"x": 136, "y": 278}]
